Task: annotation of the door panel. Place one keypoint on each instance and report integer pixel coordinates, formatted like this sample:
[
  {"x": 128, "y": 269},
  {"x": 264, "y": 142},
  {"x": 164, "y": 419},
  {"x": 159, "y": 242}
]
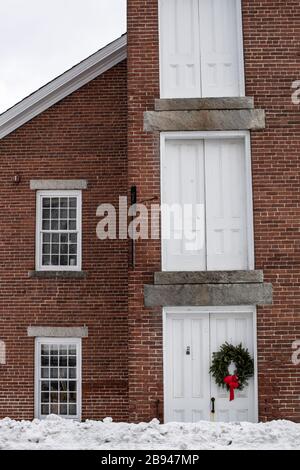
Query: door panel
[
  {"x": 188, "y": 384},
  {"x": 226, "y": 205},
  {"x": 201, "y": 48},
  {"x": 235, "y": 328},
  {"x": 183, "y": 188},
  {"x": 180, "y": 48},
  {"x": 186, "y": 375},
  {"x": 209, "y": 176},
  {"x": 220, "y": 29}
]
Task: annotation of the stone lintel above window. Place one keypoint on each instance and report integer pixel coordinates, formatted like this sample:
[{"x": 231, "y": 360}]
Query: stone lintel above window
[
  {"x": 208, "y": 277},
  {"x": 186, "y": 104},
  {"x": 57, "y": 332},
  {"x": 58, "y": 184},
  {"x": 207, "y": 295},
  {"x": 209, "y": 288},
  {"x": 205, "y": 120}
]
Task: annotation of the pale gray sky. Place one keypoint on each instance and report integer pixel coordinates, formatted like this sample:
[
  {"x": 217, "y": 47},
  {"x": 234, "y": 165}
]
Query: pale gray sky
[{"x": 40, "y": 39}]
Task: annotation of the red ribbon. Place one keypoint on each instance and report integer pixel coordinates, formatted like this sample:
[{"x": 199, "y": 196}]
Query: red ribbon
[{"x": 233, "y": 382}]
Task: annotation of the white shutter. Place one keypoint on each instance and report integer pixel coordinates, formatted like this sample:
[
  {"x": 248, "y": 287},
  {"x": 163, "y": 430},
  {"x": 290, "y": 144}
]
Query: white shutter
[
  {"x": 179, "y": 49},
  {"x": 226, "y": 205},
  {"x": 221, "y": 48},
  {"x": 183, "y": 188}
]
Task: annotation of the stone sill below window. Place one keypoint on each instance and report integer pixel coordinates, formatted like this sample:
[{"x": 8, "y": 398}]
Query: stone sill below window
[
  {"x": 57, "y": 274},
  {"x": 209, "y": 288},
  {"x": 189, "y": 104},
  {"x": 204, "y": 114},
  {"x": 208, "y": 277}
]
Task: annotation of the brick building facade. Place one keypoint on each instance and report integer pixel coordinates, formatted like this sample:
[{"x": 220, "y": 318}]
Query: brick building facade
[
  {"x": 88, "y": 126},
  {"x": 109, "y": 135}
]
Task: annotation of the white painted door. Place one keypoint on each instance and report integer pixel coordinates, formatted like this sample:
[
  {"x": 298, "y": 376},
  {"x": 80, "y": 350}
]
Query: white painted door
[
  {"x": 183, "y": 193},
  {"x": 187, "y": 367},
  {"x": 205, "y": 221},
  {"x": 235, "y": 328},
  {"x": 201, "y": 48},
  {"x": 180, "y": 48},
  {"x": 226, "y": 205},
  {"x": 221, "y": 55},
  {"x": 190, "y": 340}
]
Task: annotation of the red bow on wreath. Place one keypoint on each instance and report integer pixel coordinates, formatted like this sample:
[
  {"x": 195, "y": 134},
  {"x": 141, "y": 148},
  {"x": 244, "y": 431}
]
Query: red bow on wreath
[{"x": 233, "y": 382}]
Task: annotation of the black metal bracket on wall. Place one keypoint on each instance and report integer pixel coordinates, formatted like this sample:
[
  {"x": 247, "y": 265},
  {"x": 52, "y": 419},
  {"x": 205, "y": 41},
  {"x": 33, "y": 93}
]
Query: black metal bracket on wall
[{"x": 133, "y": 201}]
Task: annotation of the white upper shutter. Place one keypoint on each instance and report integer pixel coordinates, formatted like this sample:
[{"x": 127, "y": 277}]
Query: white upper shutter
[
  {"x": 183, "y": 187},
  {"x": 179, "y": 49},
  {"x": 226, "y": 205},
  {"x": 221, "y": 48}
]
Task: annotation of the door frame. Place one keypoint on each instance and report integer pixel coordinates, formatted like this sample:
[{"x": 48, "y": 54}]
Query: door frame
[
  {"x": 205, "y": 135},
  {"x": 207, "y": 310}
]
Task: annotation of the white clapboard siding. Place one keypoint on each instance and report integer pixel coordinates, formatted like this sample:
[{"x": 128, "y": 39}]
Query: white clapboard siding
[
  {"x": 180, "y": 48},
  {"x": 226, "y": 205}
]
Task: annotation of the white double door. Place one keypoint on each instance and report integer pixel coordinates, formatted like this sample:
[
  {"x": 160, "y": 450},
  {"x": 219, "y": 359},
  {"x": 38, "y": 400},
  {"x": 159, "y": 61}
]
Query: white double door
[
  {"x": 208, "y": 180},
  {"x": 201, "y": 48},
  {"x": 191, "y": 337}
]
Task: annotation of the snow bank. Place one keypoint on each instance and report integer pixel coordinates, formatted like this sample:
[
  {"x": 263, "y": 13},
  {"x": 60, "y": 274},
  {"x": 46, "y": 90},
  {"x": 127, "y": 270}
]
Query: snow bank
[{"x": 58, "y": 433}]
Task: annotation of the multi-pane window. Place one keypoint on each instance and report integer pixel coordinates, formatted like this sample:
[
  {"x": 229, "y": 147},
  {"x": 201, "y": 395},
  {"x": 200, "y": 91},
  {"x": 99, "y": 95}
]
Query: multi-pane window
[
  {"x": 58, "y": 377},
  {"x": 59, "y": 230}
]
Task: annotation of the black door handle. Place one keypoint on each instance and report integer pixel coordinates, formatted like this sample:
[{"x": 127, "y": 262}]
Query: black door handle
[{"x": 213, "y": 405}]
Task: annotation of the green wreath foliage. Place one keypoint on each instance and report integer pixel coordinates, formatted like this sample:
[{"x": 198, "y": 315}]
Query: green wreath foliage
[{"x": 224, "y": 357}]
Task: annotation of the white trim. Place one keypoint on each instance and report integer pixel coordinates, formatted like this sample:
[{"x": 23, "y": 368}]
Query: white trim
[
  {"x": 240, "y": 309},
  {"x": 161, "y": 94},
  {"x": 38, "y": 251},
  {"x": 199, "y": 135},
  {"x": 58, "y": 184},
  {"x": 242, "y": 85},
  {"x": 64, "y": 85},
  {"x": 38, "y": 342}
]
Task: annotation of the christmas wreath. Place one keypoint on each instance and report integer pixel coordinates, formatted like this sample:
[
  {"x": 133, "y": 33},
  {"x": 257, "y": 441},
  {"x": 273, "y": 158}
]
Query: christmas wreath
[{"x": 244, "y": 367}]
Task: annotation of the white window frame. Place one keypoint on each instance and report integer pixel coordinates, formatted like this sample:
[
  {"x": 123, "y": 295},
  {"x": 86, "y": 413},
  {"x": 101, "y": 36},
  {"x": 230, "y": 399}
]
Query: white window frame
[
  {"x": 38, "y": 244},
  {"x": 242, "y": 86},
  {"x": 201, "y": 135},
  {"x": 37, "y": 399}
]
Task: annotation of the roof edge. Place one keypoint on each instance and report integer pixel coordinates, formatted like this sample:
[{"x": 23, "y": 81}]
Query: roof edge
[{"x": 63, "y": 86}]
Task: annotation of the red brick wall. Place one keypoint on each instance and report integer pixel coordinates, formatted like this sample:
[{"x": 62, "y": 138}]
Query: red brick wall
[
  {"x": 271, "y": 42},
  {"x": 271, "y": 39},
  {"x": 83, "y": 136},
  {"x": 145, "y": 326}
]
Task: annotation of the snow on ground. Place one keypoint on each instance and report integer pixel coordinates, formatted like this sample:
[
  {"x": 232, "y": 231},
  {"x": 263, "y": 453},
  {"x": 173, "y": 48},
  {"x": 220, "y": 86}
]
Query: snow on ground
[{"x": 58, "y": 433}]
